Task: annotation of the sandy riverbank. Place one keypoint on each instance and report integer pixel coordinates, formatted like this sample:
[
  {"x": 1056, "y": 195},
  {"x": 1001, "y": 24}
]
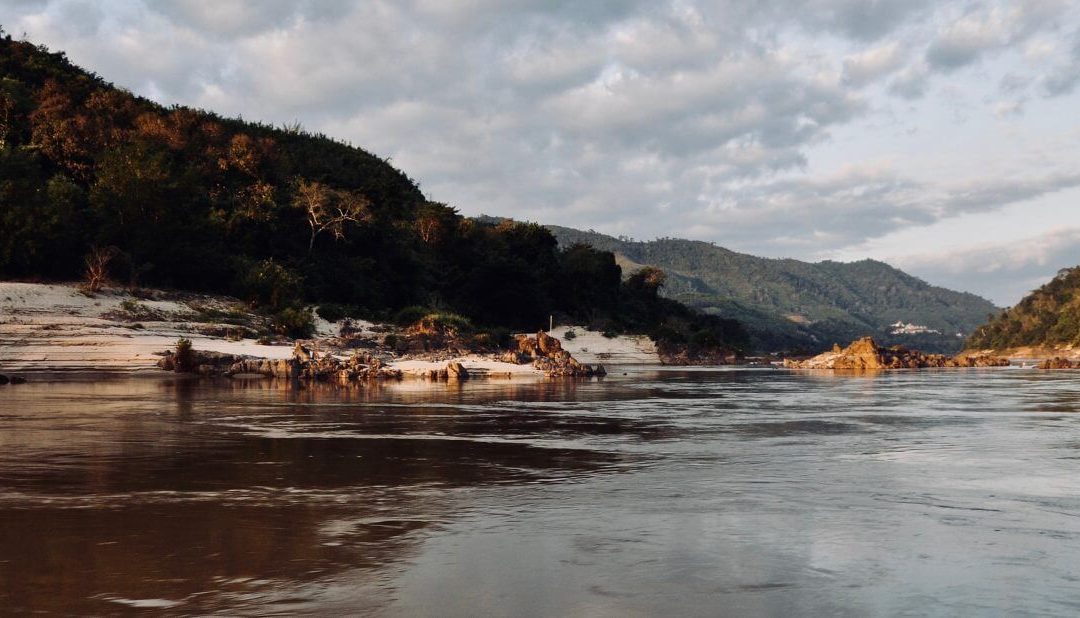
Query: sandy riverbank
[
  {"x": 55, "y": 327},
  {"x": 1033, "y": 353}
]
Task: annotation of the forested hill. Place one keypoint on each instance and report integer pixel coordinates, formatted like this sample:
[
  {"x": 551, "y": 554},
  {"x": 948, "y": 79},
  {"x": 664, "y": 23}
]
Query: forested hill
[
  {"x": 1048, "y": 317},
  {"x": 789, "y": 303},
  {"x": 171, "y": 196}
]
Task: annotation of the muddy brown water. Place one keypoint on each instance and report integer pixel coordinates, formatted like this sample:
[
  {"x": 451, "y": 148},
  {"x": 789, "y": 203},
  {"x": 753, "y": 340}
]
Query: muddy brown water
[{"x": 683, "y": 492}]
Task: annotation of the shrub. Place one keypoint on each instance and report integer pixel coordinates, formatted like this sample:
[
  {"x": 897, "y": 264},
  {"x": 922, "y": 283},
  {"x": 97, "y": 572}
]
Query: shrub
[
  {"x": 450, "y": 324},
  {"x": 295, "y": 322},
  {"x": 610, "y": 334},
  {"x": 396, "y": 342},
  {"x": 332, "y": 312},
  {"x": 185, "y": 355},
  {"x": 704, "y": 339},
  {"x": 502, "y": 337},
  {"x": 668, "y": 334},
  {"x": 271, "y": 285},
  {"x": 410, "y": 315},
  {"x": 490, "y": 339},
  {"x": 570, "y": 335}
]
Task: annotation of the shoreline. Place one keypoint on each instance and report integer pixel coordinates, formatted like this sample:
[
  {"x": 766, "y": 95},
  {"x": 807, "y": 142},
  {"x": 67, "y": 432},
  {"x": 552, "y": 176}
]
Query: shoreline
[{"x": 55, "y": 328}]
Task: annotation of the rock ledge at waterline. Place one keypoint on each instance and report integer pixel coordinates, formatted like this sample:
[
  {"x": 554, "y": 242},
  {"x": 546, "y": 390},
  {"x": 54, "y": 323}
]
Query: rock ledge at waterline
[{"x": 865, "y": 354}]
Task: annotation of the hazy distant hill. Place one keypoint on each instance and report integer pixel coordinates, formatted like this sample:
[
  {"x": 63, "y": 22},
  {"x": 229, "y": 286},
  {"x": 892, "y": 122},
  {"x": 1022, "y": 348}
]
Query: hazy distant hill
[
  {"x": 788, "y": 303},
  {"x": 1048, "y": 317}
]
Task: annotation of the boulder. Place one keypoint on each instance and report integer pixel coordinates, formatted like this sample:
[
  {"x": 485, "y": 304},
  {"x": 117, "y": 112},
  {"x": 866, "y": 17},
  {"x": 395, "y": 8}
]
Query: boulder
[
  {"x": 4, "y": 379},
  {"x": 167, "y": 362},
  {"x": 1058, "y": 363},
  {"x": 456, "y": 371},
  {"x": 302, "y": 353},
  {"x": 548, "y": 345},
  {"x": 861, "y": 355},
  {"x": 509, "y": 357},
  {"x": 525, "y": 346}
]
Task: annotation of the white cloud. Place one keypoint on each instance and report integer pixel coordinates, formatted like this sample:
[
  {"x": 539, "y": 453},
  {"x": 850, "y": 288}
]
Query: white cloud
[
  {"x": 983, "y": 28},
  {"x": 873, "y": 64},
  {"x": 1063, "y": 79},
  {"x": 1003, "y": 272}
]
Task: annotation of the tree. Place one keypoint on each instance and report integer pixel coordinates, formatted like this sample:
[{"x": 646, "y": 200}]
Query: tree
[
  {"x": 97, "y": 267},
  {"x": 329, "y": 209},
  {"x": 647, "y": 281},
  {"x": 433, "y": 221}
]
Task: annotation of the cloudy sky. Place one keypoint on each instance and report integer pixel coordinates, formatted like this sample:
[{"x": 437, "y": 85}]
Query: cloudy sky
[{"x": 942, "y": 137}]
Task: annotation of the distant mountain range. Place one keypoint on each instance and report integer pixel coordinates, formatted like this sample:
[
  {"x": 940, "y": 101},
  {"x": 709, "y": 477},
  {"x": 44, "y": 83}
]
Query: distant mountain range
[{"x": 789, "y": 304}]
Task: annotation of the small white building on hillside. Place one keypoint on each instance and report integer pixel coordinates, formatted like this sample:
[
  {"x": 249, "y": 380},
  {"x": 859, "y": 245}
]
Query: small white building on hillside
[{"x": 906, "y": 328}]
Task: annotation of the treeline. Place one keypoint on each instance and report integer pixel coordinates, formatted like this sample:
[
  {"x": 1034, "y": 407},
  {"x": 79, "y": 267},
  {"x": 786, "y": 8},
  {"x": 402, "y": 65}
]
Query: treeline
[
  {"x": 1048, "y": 316},
  {"x": 281, "y": 217}
]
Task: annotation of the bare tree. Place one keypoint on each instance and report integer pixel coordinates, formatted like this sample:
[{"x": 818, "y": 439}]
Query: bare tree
[
  {"x": 97, "y": 267},
  {"x": 329, "y": 209},
  {"x": 428, "y": 228}
]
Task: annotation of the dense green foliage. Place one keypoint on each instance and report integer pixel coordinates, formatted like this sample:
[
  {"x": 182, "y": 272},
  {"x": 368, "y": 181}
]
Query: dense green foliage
[
  {"x": 788, "y": 304},
  {"x": 187, "y": 199},
  {"x": 1049, "y": 316}
]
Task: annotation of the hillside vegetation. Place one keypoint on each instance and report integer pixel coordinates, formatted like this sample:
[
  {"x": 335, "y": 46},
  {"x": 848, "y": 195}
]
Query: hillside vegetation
[
  {"x": 95, "y": 180},
  {"x": 1049, "y": 316},
  {"x": 790, "y": 304}
]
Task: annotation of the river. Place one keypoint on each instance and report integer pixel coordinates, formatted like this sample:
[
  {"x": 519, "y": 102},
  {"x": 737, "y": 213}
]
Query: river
[{"x": 677, "y": 492}]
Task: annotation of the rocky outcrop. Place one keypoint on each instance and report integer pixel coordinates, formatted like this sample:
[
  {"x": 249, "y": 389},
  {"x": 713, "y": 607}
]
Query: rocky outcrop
[
  {"x": 1059, "y": 363},
  {"x": 305, "y": 364},
  {"x": 865, "y": 355},
  {"x": 543, "y": 352},
  {"x": 197, "y": 361},
  {"x": 456, "y": 371},
  {"x": 546, "y": 354},
  {"x": 261, "y": 366},
  {"x": 979, "y": 360},
  {"x": 681, "y": 354}
]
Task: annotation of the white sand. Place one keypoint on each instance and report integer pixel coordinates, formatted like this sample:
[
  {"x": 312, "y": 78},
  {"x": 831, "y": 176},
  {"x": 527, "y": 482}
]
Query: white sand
[
  {"x": 591, "y": 347},
  {"x": 54, "y": 327},
  {"x": 57, "y": 328}
]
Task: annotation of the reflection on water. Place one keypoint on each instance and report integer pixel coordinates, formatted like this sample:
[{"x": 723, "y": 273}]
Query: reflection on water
[{"x": 692, "y": 492}]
